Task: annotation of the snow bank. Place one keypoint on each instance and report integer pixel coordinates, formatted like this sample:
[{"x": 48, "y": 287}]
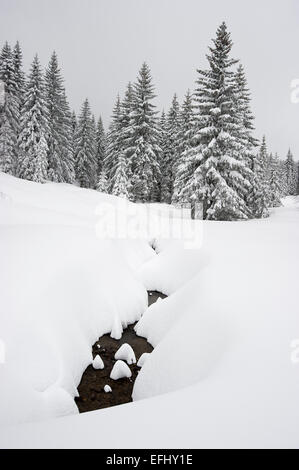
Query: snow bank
[
  {"x": 142, "y": 359},
  {"x": 227, "y": 332},
  {"x": 224, "y": 339},
  {"x": 61, "y": 288}
]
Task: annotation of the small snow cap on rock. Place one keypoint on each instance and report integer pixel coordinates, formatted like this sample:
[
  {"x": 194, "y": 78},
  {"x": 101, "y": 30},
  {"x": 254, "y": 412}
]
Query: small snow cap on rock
[
  {"x": 126, "y": 353},
  {"x": 142, "y": 359},
  {"x": 117, "y": 328},
  {"x": 120, "y": 370},
  {"x": 98, "y": 363},
  {"x": 107, "y": 389}
]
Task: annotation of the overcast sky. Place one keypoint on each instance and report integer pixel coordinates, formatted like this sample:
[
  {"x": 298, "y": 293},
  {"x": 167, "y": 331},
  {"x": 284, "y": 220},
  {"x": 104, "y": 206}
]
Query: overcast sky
[{"x": 101, "y": 45}]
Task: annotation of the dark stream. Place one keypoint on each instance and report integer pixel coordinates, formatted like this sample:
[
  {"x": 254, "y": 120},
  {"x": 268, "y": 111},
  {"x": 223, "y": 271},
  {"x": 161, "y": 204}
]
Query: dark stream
[{"x": 91, "y": 388}]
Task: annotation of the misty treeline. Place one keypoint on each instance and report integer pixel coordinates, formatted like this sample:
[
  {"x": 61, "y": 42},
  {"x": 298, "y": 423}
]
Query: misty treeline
[{"x": 201, "y": 151}]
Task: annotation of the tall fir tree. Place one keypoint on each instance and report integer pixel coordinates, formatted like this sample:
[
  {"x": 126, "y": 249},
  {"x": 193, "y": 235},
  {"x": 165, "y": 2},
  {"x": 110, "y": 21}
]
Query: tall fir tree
[
  {"x": 126, "y": 108},
  {"x": 144, "y": 147},
  {"x": 245, "y": 115},
  {"x": 259, "y": 193},
  {"x": 19, "y": 73},
  {"x": 113, "y": 144},
  {"x": 119, "y": 183},
  {"x": 73, "y": 132},
  {"x": 291, "y": 174},
  {"x": 171, "y": 151},
  {"x": 32, "y": 164},
  {"x": 100, "y": 147},
  {"x": 220, "y": 175},
  {"x": 86, "y": 165},
  {"x": 60, "y": 160},
  {"x": 10, "y": 112},
  {"x": 274, "y": 182},
  {"x": 183, "y": 170},
  {"x": 102, "y": 185}
]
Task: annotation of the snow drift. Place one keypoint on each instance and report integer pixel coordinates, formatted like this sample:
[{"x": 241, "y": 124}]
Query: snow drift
[
  {"x": 222, "y": 373},
  {"x": 61, "y": 288}
]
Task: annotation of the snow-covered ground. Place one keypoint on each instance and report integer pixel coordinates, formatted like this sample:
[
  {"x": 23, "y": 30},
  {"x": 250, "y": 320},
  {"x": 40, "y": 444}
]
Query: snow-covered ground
[{"x": 224, "y": 371}]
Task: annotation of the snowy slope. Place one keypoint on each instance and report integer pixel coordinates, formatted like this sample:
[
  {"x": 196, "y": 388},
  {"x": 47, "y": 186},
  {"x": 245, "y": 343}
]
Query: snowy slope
[
  {"x": 221, "y": 374},
  {"x": 61, "y": 288}
]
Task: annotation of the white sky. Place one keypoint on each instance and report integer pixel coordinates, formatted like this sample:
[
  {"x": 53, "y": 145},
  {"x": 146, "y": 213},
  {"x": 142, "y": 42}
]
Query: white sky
[{"x": 101, "y": 44}]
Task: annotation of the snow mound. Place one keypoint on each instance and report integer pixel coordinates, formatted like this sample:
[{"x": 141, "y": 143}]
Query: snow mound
[
  {"x": 107, "y": 389},
  {"x": 142, "y": 359},
  {"x": 126, "y": 353},
  {"x": 120, "y": 370},
  {"x": 117, "y": 329},
  {"x": 98, "y": 363}
]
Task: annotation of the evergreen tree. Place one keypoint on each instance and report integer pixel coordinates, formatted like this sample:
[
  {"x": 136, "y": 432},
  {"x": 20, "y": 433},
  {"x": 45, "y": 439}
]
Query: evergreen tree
[
  {"x": 66, "y": 142},
  {"x": 73, "y": 132},
  {"x": 183, "y": 171},
  {"x": 113, "y": 147},
  {"x": 100, "y": 147},
  {"x": 10, "y": 115},
  {"x": 86, "y": 165},
  {"x": 102, "y": 185},
  {"x": 126, "y": 108},
  {"x": 274, "y": 183},
  {"x": 220, "y": 176},
  {"x": 144, "y": 147},
  {"x": 291, "y": 174},
  {"x": 243, "y": 109},
  {"x": 119, "y": 183},
  {"x": 163, "y": 141},
  {"x": 32, "y": 164},
  {"x": 171, "y": 152},
  {"x": 60, "y": 161},
  {"x": 19, "y": 74},
  {"x": 259, "y": 193}
]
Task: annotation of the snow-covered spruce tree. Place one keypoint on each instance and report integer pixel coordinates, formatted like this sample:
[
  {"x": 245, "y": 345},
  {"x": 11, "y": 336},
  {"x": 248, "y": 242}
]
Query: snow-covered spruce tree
[
  {"x": 66, "y": 142},
  {"x": 126, "y": 108},
  {"x": 144, "y": 147},
  {"x": 32, "y": 164},
  {"x": 245, "y": 115},
  {"x": 102, "y": 185},
  {"x": 219, "y": 173},
  {"x": 19, "y": 74},
  {"x": 163, "y": 146},
  {"x": 170, "y": 154},
  {"x": 258, "y": 198},
  {"x": 10, "y": 113},
  {"x": 274, "y": 183},
  {"x": 119, "y": 183},
  {"x": 100, "y": 147},
  {"x": 117, "y": 162},
  {"x": 60, "y": 161},
  {"x": 291, "y": 174},
  {"x": 85, "y": 160},
  {"x": 113, "y": 143},
  {"x": 183, "y": 170},
  {"x": 73, "y": 132},
  {"x": 283, "y": 178}
]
